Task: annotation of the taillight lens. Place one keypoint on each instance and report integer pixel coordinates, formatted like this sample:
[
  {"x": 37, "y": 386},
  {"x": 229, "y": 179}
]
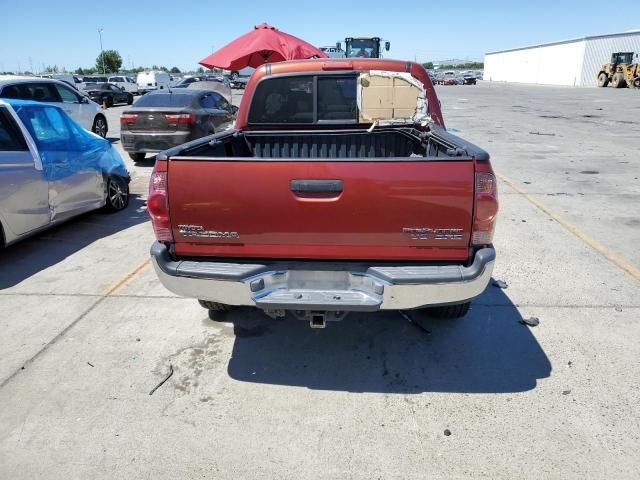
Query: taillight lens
[
  {"x": 180, "y": 118},
  {"x": 127, "y": 118},
  {"x": 486, "y": 208},
  {"x": 158, "y": 204}
]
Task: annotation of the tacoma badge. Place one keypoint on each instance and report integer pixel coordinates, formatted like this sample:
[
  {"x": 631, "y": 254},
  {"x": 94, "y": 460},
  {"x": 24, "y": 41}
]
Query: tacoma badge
[
  {"x": 199, "y": 231},
  {"x": 434, "y": 233}
]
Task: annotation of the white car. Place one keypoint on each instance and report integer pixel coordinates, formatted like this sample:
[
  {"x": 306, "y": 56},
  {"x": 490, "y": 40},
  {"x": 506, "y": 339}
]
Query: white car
[
  {"x": 148, "y": 81},
  {"x": 127, "y": 83},
  {"x": 77, "y": 105}
]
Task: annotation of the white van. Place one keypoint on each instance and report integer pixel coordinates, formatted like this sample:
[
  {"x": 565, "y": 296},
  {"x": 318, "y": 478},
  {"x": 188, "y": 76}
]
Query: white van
[
  {"x": 127, "y": 83},
  {"x": 148, "y": 81}
]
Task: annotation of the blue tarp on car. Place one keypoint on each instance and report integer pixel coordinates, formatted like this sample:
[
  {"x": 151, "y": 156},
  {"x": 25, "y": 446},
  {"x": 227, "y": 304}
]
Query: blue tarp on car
[{"x": 65, "y": 147}]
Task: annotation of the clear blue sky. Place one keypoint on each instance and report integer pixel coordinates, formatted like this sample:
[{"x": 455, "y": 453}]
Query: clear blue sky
[{"x": 181, "y": 32}]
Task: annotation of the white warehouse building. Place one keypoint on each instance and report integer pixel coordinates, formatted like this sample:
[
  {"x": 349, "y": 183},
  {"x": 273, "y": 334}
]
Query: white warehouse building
[{"x": 571, "y": 62}]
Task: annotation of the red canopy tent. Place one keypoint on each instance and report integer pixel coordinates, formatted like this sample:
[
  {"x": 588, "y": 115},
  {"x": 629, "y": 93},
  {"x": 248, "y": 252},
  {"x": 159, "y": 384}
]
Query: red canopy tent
[{"x": 264, "y": 44}]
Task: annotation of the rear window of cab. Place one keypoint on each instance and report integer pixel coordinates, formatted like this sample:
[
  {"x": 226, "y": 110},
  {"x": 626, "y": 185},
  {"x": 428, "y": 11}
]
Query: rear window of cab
[{"x": 305, "y": 99}]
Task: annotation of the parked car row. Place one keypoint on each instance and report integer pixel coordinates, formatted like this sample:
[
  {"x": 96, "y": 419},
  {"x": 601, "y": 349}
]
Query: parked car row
[
  {"x": 128, "y": 84},
  {"x": 106, "y": 91},
  {"x": 454, "y": 78},
  {"x": 145, "y": 81}
]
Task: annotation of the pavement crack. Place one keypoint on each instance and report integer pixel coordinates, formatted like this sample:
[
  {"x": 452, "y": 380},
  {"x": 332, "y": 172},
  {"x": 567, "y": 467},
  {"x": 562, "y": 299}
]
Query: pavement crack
[
  {"x": 107, "y": 293},
  {"x": 52, "y": 342}
]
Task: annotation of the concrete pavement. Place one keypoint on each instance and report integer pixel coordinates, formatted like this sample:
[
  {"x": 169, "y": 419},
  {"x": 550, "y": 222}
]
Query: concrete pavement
[{"x": 369, "y": 397}]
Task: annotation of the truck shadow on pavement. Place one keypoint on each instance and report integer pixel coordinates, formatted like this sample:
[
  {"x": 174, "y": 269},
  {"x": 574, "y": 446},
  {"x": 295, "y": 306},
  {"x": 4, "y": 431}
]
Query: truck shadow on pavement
[
  {"x": 487, "y": 351},
  {"x": 22, "y": 260}
]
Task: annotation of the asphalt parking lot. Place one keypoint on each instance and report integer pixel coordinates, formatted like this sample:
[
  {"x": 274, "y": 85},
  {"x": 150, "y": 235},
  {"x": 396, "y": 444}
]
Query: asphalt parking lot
[{"x": 86, "y": 331}]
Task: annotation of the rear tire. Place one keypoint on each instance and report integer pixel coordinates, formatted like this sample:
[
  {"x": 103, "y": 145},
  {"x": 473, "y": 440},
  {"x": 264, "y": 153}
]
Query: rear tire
[
  {"x": 137, "y": 156},
  {"x": 449, "y": 311},
  {"x": 214, "y": 307},
  {"x": 100, "y": 126},
  {"x": 636, "y": 82},
  {"x": 117, "y": 194},
  {"x": 234, "y": 75},
  {"x": 603, "y": 79}
]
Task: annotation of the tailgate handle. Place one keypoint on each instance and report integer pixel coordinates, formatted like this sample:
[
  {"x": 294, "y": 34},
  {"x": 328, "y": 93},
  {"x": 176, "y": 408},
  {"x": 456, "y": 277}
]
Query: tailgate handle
[{"x": 316, "y": 186}]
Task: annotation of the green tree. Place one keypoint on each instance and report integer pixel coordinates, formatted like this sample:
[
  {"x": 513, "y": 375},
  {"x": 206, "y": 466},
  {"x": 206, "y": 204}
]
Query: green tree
[
  {"x": 428, "y": 65},
  {"x": 109, "y": 61},
  {"x": 174, "y": 70},
  {"x": 200, "y": 70},
  {"x": 79, "y": 71}
]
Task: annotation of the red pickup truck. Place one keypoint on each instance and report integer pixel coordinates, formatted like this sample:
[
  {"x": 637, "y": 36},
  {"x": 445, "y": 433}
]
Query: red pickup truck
[{"x": 339, "y": 190}]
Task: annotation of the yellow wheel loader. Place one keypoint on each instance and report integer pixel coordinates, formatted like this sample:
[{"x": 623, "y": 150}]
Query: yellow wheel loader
[{"x": 621, "y": 71}]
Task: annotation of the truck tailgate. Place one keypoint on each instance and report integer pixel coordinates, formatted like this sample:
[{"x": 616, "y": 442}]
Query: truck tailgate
[{"x": 355, "y": 210}]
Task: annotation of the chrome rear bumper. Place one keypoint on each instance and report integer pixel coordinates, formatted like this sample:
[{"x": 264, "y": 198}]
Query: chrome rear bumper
[{"x": 307, "y": 286}]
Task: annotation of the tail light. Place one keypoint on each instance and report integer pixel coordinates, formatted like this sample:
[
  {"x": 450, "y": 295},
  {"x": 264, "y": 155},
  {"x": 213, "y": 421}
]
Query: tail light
[
  {"x": 180, "y": 118},
  {"x": 486, "y": 208},
  {"x": 128, "y": 118},
  {"x": 158, "y": 203}
]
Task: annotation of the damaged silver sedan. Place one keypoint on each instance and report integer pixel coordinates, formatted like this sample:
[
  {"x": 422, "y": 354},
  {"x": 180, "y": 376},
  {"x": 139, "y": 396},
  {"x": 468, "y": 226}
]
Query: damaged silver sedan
[{"x": 51, "y": 170}]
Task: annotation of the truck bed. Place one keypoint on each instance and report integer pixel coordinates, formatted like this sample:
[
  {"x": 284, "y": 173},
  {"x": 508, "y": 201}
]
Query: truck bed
[
  {"x": 382, "y": 143},
  {"x": 389, "y": 194}
]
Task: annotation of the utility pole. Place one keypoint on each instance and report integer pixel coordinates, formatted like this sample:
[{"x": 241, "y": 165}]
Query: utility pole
[{"x": 104, "y": 72}]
